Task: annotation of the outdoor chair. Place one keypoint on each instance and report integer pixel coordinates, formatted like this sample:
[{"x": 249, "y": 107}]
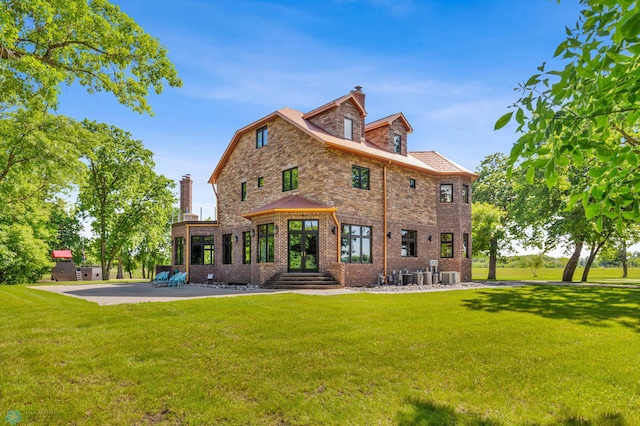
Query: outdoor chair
[
  {"x": 160, "y": 279},
  {"x": 173, "y": 281}
]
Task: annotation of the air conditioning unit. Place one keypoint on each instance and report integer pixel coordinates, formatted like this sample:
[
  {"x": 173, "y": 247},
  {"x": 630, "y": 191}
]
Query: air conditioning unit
[{"x": 449, "y": 277}]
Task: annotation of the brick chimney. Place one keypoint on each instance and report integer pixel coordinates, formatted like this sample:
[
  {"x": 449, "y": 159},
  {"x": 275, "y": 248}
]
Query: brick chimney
[
  {"x": 359, "y": 95},
  {"x": 186, "y": 185}
]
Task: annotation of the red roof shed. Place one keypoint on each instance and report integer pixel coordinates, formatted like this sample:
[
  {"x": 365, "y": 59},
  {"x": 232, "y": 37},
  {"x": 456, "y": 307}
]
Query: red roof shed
[{"x": 61, "y": 254}]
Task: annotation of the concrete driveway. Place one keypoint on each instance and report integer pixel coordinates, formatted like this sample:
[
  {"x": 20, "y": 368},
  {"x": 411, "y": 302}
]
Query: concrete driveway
[{"x": 115, "y": 294}]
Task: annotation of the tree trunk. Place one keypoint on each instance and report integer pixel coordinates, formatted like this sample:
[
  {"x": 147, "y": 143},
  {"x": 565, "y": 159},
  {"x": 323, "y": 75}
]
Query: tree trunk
[
  {"x": 493, "y": 256},
  {"x": 144, "y": 275},
  {"x": 572, "y": 264},
  {"x": 106, "y": 268},
  {"x": 592, "y": 255},
  {"x": 625, "y": 270},
  {"x": 120, "y": 274}
]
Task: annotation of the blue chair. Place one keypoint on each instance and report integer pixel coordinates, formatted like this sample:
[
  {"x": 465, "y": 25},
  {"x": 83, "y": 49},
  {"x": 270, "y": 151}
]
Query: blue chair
[{"x": 160, "y": 279}]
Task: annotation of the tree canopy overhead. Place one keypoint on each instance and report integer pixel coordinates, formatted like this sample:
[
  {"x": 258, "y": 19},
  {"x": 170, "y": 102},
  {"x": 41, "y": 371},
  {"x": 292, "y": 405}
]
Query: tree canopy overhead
[
  {"x": 587, "y": 113},
  {"x": 44, "y": 43}
]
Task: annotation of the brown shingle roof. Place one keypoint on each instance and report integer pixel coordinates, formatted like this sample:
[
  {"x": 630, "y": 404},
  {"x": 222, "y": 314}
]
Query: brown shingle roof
[
  {"x": 429, "y": 162},
  {"x": 336, "y": 103},
  {"x": 439, "y": 162},
  {"x": 386, "y": 121}
]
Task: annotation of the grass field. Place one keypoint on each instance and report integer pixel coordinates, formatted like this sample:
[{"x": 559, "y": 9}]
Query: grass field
[
  {"x": 536, "y": 355},
  {"x": 596, "y": 275}
]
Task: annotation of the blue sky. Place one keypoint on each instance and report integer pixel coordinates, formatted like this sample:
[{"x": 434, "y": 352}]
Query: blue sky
[{"x": 450, "y": 66}]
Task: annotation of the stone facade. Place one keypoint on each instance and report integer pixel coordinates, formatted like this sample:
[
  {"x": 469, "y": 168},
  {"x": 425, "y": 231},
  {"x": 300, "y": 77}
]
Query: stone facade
[{"x": 402, "y": 194}]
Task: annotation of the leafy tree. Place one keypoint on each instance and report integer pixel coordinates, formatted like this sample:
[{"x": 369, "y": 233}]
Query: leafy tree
[
  {"x": 44, "y": 43},
  {"x": 533, "y": 262},
  {"x": 66, "y": 229},
  {"x": 542, "y": 217},
  {"x": 493, "y": 186},
  {"x": 487, "y": 230},
  {"x": 122, "y": 191},
  {"x": 24, "y": 254},
  {"x": 587, "y": 113},
  {"x": 38, "y": 158},
  {"x": 615, "y": 250},
  {"x": 155, "y": 247},
  {"x": 39, "y": 155}
]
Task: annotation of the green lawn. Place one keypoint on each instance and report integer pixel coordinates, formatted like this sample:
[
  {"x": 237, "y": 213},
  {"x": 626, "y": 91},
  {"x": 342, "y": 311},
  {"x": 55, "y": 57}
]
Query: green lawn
[
  {"x": 597, "y": 275},
  {"x": 537, "y": 355}
]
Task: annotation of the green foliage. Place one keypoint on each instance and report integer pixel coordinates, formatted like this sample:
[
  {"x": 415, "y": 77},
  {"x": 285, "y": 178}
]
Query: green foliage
[
  {"x": 66, "y": 229},
  {"x": 586, "y": 114},
  {"x": 38, "y": 158},
  {"x": 122, "y": 195},
  {"x": 24, "y": 256},
  {"x": 533, "y": 262},
  {"x": 44, "y": 43},
  {"x": 486, "y": 225}
]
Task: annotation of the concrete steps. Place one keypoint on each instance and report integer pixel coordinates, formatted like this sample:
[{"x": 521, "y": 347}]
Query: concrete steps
[{"x": 302, "y": 281}]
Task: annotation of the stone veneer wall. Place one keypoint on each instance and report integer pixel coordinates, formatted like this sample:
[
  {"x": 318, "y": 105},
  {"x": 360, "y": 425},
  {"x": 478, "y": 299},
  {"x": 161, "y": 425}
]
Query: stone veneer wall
[
  {"x": 383, "y": 136},
  {"x": 332, "y": 120}
]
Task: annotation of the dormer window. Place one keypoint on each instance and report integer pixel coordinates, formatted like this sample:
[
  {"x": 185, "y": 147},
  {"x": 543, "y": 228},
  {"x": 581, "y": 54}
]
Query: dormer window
[
  {"x": 397, "y": 144},
  {"x": 348, "y": 129}
]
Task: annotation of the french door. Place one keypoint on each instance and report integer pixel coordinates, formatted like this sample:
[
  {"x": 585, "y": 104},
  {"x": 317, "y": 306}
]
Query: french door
[{"x": 303, "y": 246}]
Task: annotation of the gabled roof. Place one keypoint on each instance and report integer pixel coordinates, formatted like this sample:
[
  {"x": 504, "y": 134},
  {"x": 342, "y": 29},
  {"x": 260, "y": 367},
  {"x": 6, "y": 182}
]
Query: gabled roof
[
  {"x": 291, "y": 203},
  {"x": 61, "y": 254},
  {"x": 336, "y": 103},
  {"x": 367, "y": 150},
  {"x": 440, "y": 163},
  {"x": 387, "y": 121}
]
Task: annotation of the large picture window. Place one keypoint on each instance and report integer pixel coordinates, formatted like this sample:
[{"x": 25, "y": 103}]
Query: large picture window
[
  {"x": 446, "y": 193},
  {"x": 356, "y": 244},
  {"x": 202, "y": 250},
  {"x": 246, "y": 247},
  {"x": 360, "y": 177},
  {"x": 446, "y": 244},
  {"x": 266, "y": 241},
  {"x": 290, "y": 179},
  {"x": 409, "y": 243},
  {"x": 262, "y": 137},
  {"x": 178, "y": 250}
]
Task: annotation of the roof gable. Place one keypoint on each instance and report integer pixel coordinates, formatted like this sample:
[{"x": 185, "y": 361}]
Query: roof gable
[
  {"x": 336, "y": 103},
  {"x": 388, "y": 121}
]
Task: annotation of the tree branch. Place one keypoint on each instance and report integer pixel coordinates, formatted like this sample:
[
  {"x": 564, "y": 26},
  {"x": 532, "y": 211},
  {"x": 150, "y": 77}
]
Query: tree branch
[{"x": 628, "y": 138}]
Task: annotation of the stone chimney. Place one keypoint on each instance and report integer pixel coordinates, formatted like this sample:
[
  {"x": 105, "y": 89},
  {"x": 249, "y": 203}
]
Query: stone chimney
[{"x": 186, "y": 185}]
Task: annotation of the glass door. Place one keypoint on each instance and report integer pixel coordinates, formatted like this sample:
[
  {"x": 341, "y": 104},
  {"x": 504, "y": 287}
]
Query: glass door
[{"x": 303, "y": 246}]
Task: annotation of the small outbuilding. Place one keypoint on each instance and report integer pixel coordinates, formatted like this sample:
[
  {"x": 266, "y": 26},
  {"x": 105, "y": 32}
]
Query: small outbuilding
[{"x": 66, "y": 270}]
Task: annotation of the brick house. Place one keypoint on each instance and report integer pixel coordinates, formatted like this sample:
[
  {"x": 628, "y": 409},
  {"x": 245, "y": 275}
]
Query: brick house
[{"x": 323, "y": 192}]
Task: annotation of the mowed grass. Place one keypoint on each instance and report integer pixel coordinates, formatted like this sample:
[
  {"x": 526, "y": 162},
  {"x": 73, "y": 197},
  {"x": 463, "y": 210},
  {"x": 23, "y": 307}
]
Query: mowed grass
[
  {"x": 535, "y": 355},
  {"x": 596, "y": 275}
]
